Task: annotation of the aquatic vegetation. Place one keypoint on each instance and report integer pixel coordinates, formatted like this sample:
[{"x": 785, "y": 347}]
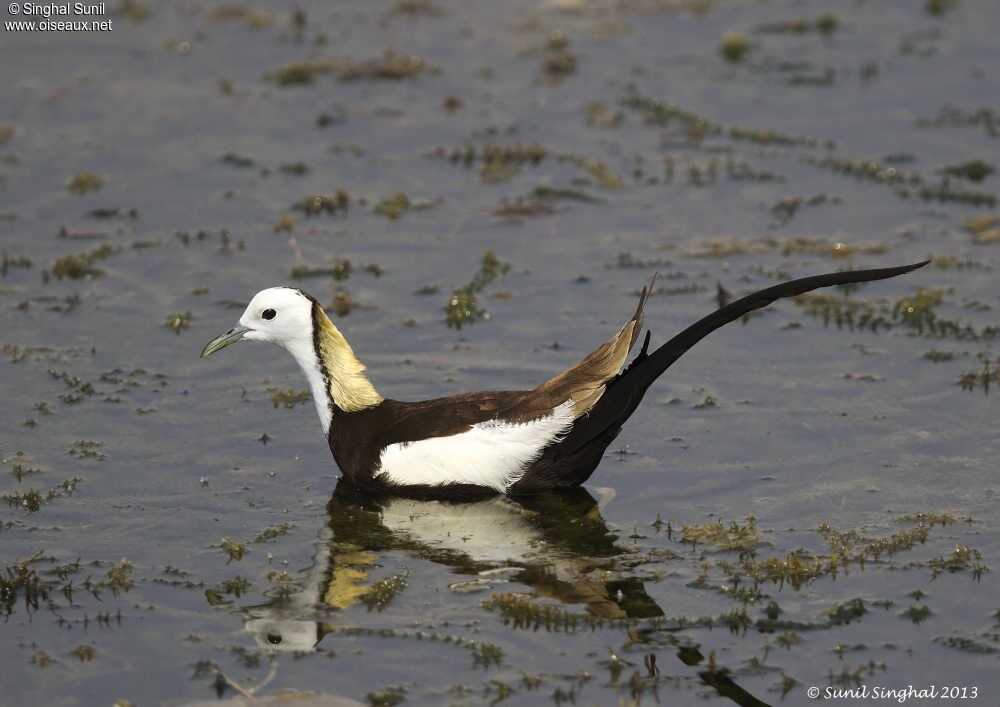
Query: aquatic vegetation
[
  {"x": 984, "y": 229},
  {"x": 916, "y": 613},
  {"x": 981, "y": 377},
  {"x": 520, "y": 612},
  {"x": 962, "y": 558},
  {"x": 118, "y": 578},
  {"x": 332, "y": 204},
  {"x": 84, "y": 652},
  {"x": 273, "y": 532},
  {"x": 723, "y": 537},
  {"x": 233, "y": 549},
  {"x": 825, "y": 24},
  {"x": 391, "y": 66},
  {"x": 179, "y": 321},
  {"x": 234, "y": 159},
  {"x": 381, "y": 593},
  {"x": 81, "y": 265},
  {"x": 288, "y": 398},
  {"x": 973, "y": 170},
  {"x": 497, "y": 162},
  {"x": 8, "y": 262},
  {"x": 84, "y": 182},
  {"x": 734, "y": 47},
  {"x": 916, "y": 312},
  {"x": 339, "y": 270},
  {"x": 399, "y": 203},
  {"x": 87, "y": 449},
  {"x": 463, "y": 307},
  {"x": 985, "y": 117}
]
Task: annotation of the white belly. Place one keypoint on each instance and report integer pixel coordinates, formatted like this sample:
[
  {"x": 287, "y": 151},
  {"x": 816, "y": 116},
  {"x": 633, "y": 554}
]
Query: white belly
[{"x": 494, "y": 454}]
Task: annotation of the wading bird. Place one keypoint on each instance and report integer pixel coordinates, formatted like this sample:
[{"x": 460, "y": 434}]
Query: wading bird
[{"x": 515, "y": 442}]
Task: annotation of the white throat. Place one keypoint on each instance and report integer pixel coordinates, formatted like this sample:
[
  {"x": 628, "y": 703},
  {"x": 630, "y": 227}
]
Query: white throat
[{"x": 305, "y": 355}]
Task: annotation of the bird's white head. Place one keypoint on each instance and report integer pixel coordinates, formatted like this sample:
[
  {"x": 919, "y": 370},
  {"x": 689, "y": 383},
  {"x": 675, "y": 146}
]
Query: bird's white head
[
  {"x": 279, "y": 315},
  {"x": 296, "y": 322}
]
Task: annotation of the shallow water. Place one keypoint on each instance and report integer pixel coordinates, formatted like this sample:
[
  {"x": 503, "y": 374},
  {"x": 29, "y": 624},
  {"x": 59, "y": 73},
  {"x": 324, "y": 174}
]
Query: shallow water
[{"x": 666, "y": 157}]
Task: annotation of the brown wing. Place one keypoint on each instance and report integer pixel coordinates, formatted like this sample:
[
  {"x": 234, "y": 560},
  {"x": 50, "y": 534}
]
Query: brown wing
[
  {"x": 400, "y": 422},
  {"x": 585, "y": 381}
]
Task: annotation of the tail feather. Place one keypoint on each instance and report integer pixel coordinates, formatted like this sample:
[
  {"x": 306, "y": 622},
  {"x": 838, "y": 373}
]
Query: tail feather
[
  {"x": 624, "y": 393},
  {"x": 661, "y": 359}
]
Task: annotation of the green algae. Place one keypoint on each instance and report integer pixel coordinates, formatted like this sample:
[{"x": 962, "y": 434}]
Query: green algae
[
  {"x": 734, "y": 47},
  {"x": 79, "y": 266},
  {"x": 84, "y": 182},
  {"x": 462, "y": 307},
  {"x": 382, "y": 592}
]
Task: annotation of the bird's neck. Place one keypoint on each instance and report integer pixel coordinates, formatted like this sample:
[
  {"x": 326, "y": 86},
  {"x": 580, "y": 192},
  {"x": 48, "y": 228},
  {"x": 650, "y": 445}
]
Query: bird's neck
[{"x": 335, "y": 375}]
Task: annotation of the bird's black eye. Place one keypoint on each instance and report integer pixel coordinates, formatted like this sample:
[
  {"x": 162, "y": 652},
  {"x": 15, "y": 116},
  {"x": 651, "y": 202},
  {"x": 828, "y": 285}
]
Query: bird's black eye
[
  {"x": 273, "y": 638},
  {"x": 268, "y": 314}
]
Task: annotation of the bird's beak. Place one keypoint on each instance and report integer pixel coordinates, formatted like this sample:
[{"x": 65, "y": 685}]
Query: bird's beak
[{"x": 224, "y": 340}]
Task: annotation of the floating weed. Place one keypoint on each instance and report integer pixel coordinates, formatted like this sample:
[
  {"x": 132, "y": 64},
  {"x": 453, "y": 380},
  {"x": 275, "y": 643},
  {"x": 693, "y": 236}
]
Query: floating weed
[
  {"x": 383, "y": 591},
  {"x": 81, "y": 265},
  {"x": 520, "y": 612},
  {"x": 916, "y": 613},
  {"x": 236, "y": 160},
  {"x": 392, "y": 66},
  {"x": 496, "y": 161},
  {"x": 118, "y": 578},
  {"x": 332, "y": 204},
  {"x": 937, "y": 8},
  {"x": 845, "y": 612},
  {"x": 32, "y": 499},
  {"x": 486, "y": 654},
  {"x": 84, "y": 652},
  {"x": 414, "y": 8},
  {"x": 462, "y": 307},
  {"x": 984, "y": 229},
  {"x": 288, "y": 397},
  {"x": 938, "y": 355},
  {"x": 724, "y": 537},
  {"x": 945, "y": 192},
  {"x": 41, "y": 659},
  {"x": 273, "y": 532},
  {"x": 285, "y": 223},
  {"x": 981, "y": 377},
  {"x": 388, "y": 697},
  {"x": 7, "y": 262},
  {"x": 339, "y": 270},
  {"x": 961, "y": 558},
  {"x": 237, "y": 586},
  {"x": 973, "y": 170},
  {"x": 178, "y": 321},
  {"x": 234, "y": 550},
  {"x": 734, "y": 47},
  {"x": 21, "y": 579},
  {"x": 87, "y": 449},
  {"x": 343, "y": 304},
  {"x": 785, "y": 209},
  {"x": 396, "y": 205},
  {"x": 84, "y": 182},
  {"x": 825, "y": 24},
  {"x": 966, "y": 644},
  {"x": 602, "y": 115},
  {"x": 930, "y": 518}
]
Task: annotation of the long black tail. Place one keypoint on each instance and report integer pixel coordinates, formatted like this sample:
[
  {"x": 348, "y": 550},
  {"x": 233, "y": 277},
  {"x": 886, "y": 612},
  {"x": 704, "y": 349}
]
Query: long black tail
[
  {"x": 624, "y": 394},
  {"x": 661, "y": 359}
]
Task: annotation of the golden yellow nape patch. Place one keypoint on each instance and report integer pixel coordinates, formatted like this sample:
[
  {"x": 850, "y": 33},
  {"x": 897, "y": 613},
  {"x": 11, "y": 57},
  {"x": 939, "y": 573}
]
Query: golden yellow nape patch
[{"x": 350, "y": 389}]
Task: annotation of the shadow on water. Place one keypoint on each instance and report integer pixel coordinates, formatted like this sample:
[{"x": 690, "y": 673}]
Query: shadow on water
[{"x": 551, "y": 543}]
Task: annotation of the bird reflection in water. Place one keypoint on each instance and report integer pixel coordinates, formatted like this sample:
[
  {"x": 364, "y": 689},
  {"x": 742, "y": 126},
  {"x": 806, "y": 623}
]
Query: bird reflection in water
[{"x": 556, "y": 543}]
